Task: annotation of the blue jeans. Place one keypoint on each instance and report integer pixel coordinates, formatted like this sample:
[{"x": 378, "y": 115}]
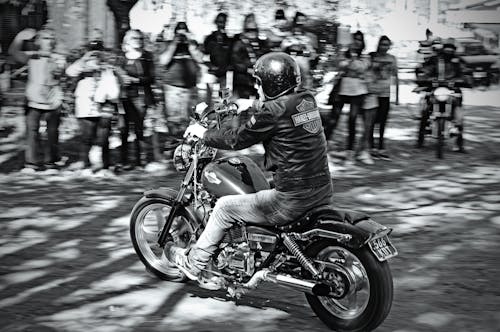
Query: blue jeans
[
  {"x": 95, "y": 130},
  {"x": 266, "y": 207},
  {"x": 33, "y": 117}
]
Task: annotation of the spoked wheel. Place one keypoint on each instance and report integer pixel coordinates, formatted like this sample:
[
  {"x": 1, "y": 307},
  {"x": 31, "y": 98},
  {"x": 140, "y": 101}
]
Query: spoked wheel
[
  {"x": 362, "y": 288},
  {"x": 147, "y": 220}
]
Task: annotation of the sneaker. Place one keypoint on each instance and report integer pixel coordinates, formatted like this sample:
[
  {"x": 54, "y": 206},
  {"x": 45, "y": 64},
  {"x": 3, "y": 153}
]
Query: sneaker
[
  {"x": 382, "y": 154},
  {"x": 459, "y": 149},
  {"x": 86, "y": 172},
  {"x": 179, "y": 257},
  {"x": 374, "y": 153},
  {"x": 365, "y": 158},
  {"x": 338, "y": 154},
  {"x": 78, "y": 165},
  {"x": 104, "y": 173},
  {"x": 349, "y": 158},
  {"x": 61, "y": 162},
  {"x": 52, "y": 166},
  {"x": 31, "y": 169}
]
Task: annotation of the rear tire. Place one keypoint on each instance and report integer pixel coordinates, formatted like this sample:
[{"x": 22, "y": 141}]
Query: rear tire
[
  {"x": 378, "y": 289},
  {"x": 147, "y": 219}
]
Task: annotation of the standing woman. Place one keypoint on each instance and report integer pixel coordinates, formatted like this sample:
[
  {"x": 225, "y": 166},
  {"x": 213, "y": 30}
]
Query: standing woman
[
  {"x": 137, "y": 75},
  {"x": 385, "y": 67},
  {"x": 43, "y": 94},
  {"x": 353, "y": 87}
]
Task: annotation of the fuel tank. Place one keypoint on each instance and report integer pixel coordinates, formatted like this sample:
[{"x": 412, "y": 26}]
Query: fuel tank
[{"x": 232, "y": 176}]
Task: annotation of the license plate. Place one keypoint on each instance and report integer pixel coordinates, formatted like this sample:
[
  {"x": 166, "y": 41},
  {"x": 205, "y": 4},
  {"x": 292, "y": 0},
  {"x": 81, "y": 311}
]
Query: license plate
[
  {"x": 479, "y": 74},
  {"x": 382, "y": 248}
]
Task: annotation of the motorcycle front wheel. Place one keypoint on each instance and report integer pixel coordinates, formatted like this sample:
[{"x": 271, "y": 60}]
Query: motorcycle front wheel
[
  {"x": 440, "y": 137},
  {"x": 368, "y": 293},
  {"x": 147, "y": 220}
]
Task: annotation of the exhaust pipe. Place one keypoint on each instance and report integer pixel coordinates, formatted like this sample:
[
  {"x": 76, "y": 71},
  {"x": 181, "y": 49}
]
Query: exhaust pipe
[{"x": 318, "y": 289}]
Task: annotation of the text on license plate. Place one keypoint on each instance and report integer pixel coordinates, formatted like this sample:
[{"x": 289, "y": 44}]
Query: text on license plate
[
  {"x": 479, "y": 74},
  {"x": 382, "y": 248}
]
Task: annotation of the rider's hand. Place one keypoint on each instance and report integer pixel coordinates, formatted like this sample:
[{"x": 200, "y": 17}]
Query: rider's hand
[
  {"x": 195, "y": 130},
  {"x": 244, "y": 104},
  {"x": 200, "y": 108}
]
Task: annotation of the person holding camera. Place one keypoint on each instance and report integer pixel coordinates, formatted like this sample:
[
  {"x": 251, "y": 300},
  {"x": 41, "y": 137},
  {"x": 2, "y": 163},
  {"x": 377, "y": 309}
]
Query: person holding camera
[
  {"x": 247, "y": 48},
  {"x": 96, "y": 97},
  {"x": 44, "y": 95},
  {"x": 180, "y": 69}
]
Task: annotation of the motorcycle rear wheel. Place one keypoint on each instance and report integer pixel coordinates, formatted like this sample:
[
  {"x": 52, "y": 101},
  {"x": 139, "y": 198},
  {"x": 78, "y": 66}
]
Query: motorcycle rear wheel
[
  {"x": 148, "y": 218},
  {"x": 369, "y": 298}
]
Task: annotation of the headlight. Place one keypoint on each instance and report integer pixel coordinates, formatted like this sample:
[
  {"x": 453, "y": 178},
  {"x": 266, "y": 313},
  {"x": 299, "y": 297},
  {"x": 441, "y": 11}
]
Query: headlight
[
  {"x": 442, "y": 94},
  {"x": 182, "y": 157}
]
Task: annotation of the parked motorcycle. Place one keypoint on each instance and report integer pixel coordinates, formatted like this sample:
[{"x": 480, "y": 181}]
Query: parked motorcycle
[
  {"x": 436, "y": 119},
  {"x": 338, "y": 258}
]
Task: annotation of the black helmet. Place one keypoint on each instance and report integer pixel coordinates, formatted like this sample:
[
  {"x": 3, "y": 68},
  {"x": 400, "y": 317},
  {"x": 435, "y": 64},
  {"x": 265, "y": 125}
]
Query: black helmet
[{"x": 278, "y": 73}]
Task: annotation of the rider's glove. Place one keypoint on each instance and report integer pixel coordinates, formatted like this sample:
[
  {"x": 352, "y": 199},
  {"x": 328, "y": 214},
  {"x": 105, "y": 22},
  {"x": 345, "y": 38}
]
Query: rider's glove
[
  {"x": 195, "y": 130},
  {"x": 244, "y": 104}
]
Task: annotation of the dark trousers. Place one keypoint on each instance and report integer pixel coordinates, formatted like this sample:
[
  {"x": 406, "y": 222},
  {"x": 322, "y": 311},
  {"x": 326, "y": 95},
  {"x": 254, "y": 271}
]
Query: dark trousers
[
  {"x": 330, "y": 124},
  {"x": 134, "y": 116},
  {"x": 95, "y": 130},
  {"x": 355, "y": 103},
  {"x": 33, "y": 148},
  {"x": 381, "y": 118}
]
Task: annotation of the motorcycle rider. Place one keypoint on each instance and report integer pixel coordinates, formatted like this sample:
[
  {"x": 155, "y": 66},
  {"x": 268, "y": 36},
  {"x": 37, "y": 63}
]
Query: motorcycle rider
[
  {"x": 445, "y": 65},
  {"x": 287, "y": 121}
]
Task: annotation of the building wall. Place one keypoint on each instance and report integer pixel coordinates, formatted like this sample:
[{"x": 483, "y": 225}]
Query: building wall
[{"x": 74, "y": 20}]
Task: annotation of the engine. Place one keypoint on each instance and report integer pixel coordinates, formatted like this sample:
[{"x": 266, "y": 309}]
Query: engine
[
  {"x": 237, "y": 259},
  {"x": 245, "y": 249}
]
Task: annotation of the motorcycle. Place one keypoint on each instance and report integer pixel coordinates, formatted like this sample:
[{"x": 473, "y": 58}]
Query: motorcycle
[
  {"x": 436, "y": 119},
  {"x": 338, "y": 258}
]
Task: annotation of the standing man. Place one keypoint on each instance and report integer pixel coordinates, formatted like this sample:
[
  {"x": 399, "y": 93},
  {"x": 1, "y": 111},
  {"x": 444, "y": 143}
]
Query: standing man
[
  {"x": 43, "y": 95},
  {"x": 218, "y": 46}
]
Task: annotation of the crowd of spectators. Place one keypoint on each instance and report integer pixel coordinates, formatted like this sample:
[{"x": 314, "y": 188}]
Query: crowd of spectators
[{"x": 118, "y": 90}]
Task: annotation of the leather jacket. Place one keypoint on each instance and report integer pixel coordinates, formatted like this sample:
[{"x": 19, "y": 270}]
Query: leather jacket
[{"x": 292, "y": 134}]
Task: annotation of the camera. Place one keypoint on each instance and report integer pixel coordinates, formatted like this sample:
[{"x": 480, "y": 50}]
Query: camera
[{"x": 182, "y": 38}]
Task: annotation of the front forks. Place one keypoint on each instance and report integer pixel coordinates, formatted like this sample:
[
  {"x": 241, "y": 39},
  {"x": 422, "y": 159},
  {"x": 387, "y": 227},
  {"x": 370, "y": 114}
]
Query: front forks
[{"x": 162, "y": 239}]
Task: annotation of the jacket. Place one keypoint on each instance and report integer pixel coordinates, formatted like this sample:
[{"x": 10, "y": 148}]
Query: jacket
[
  {"x": 42, "y": 89},
  {"x": 143, "y": 69},
  {"x": 292, "y": 134},
  {"x": 92, "y": 89}
]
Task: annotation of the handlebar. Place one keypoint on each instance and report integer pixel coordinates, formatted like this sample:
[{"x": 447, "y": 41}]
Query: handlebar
[{"x": 434, "y": 83}]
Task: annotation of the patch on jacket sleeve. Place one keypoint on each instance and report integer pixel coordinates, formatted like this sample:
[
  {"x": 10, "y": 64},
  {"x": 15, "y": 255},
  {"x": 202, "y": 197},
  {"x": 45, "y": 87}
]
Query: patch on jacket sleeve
[
  {"x": 308, "y": 116},
  {"x": 252, "y": 121}
]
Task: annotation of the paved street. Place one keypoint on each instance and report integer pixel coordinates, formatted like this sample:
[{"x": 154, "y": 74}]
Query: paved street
[{"x": 67, "y": 263}]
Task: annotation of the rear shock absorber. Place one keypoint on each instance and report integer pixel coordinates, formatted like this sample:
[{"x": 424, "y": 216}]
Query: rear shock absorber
[{"x": 303, "y": 260}]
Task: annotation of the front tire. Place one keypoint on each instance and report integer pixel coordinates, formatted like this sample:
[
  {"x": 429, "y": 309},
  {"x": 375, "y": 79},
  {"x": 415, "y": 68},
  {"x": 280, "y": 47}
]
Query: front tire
[
  {"x": 369, "y": 298},
  {"x": 440, "y": 137},
  {"x": 147, "y": 220}
]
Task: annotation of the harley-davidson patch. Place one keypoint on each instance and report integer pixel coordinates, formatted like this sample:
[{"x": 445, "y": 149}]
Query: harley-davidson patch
[{"x": 308, "y": 116}]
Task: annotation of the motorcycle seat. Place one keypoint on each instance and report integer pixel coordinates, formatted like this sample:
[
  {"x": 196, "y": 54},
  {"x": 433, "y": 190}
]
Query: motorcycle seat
[{"x": 325, "y": 212}]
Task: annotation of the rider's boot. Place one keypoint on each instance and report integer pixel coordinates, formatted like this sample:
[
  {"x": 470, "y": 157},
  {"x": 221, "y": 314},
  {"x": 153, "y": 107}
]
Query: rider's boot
[{"x": 180, "y": 257}]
